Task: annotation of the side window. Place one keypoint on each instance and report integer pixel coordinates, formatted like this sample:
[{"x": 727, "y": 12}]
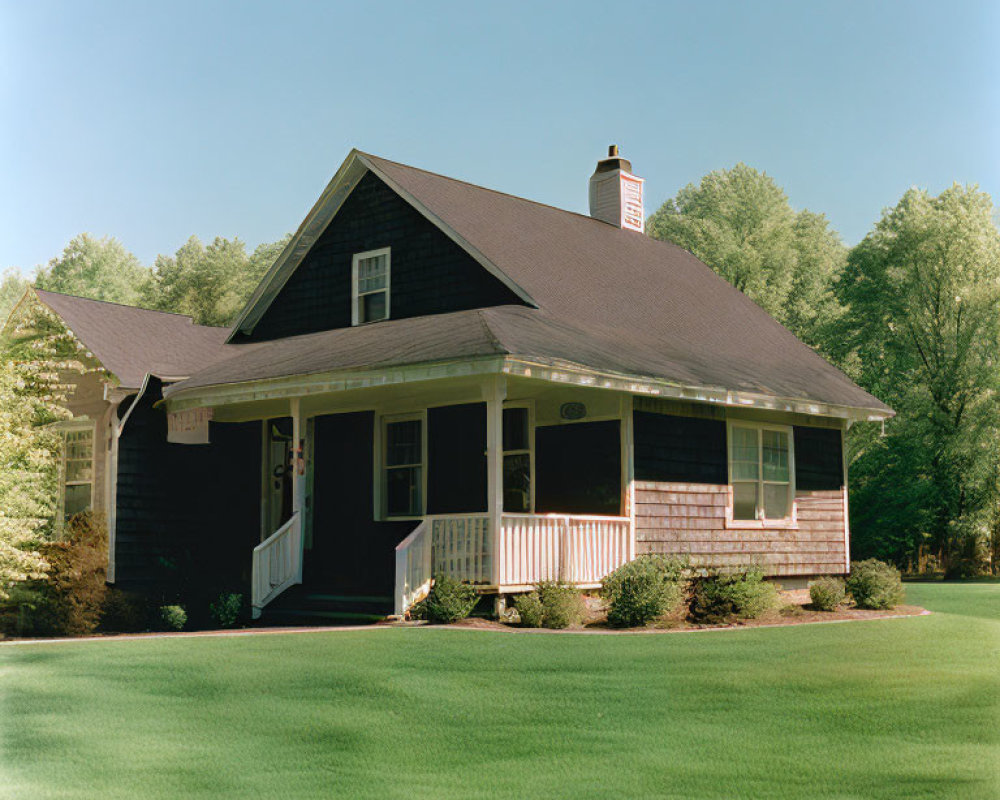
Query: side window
[
  {"x": 517, "y": 458},
  {"x": 404, "y": 467},
  {"x": 760, "y": 458},
  {"x": 370, "y": 274},
  {"x": 78, "y": 471}
]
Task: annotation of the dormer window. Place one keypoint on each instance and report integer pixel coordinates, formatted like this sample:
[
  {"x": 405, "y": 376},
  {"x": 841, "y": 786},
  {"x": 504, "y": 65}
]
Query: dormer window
[{"x": 370, "y": 286}]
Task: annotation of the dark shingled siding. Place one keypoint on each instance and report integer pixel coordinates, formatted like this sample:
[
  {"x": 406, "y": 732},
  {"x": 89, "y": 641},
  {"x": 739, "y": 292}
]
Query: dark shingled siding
[
  {"x": 680, "y": 449},
  {"x": 196, "y": 507},
  {"x": 819, "y": 462},
  {"x": 456, "y": 459},
  {"x": 429, "y": 273},
  {"x": 578, "y": 468}
]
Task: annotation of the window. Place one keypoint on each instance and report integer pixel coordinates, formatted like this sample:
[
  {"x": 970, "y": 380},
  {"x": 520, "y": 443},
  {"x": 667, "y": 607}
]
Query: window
[
  {"x": 403, "y": 467},
  {"x": 78, "y": 471},
  {"x": 517, "y": 459},
  {"x": 370, "y": 280},
  {"x": 760, "y": 470}
]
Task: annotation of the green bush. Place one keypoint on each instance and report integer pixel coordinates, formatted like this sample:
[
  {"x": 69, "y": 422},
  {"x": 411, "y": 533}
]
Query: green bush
[
  {"x": 875, "y": 584},
  {"x": 724, "y": 597},
  {"x": 225, "y": 611},
  {"x": 124, "y": 612},
  {"x": 562, "y": 605},
  {"x": 826, "y": 593},
  {"x": 173, "y": 618},
  {"x": 68, "y": 601},
  {"x": 529, "y": 609},
  {"x": 642, "y": 590},
  {"x": 449, "y": 600}
]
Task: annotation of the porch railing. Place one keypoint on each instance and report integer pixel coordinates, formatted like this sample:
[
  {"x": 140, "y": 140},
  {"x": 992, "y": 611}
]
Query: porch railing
[
  {"x": 413, "y": 568},
  {"x": 561, "y": 547},
  {"x": 533, "y": 547},
  {"x": 277, "y": 564}
]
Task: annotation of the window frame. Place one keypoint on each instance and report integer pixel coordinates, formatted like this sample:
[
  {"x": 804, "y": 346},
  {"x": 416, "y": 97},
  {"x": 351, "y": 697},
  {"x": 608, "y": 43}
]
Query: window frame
[
  {"x": 356, "y": 295},
  {"x": 530, "y": 406},
  {"x": 65, "y": 431},
  {"x": 387, "y": 420},
  {"x": 790, "y": 521}
]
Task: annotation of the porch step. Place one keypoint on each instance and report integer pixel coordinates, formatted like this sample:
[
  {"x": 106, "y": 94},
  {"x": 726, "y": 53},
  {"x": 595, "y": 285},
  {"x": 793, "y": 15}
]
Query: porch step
[{"x": 298, "y": 606}]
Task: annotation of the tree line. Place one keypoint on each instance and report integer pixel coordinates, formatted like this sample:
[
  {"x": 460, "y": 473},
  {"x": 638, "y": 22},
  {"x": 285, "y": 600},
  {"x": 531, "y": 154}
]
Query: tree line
[{"x": 911, "y": 313}]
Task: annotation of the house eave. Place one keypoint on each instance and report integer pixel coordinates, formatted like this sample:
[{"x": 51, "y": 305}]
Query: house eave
[{"x": 550, "y": 371}]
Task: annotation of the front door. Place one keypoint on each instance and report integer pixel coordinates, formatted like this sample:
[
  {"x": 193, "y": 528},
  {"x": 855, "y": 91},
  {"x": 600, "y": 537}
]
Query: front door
[{"x": 277, "y": 476}]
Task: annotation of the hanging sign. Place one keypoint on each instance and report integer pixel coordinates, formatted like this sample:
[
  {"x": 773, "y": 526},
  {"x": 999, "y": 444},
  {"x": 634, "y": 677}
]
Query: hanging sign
[{"x": 189, "y": 427}]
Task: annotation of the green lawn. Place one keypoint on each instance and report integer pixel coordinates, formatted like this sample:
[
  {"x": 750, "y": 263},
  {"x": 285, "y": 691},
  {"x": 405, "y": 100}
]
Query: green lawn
[{"x": 904, "y": 708}]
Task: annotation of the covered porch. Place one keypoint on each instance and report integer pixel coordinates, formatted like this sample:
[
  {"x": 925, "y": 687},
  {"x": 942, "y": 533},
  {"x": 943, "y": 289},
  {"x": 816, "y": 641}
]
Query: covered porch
[{"x": 497, "y": 480}]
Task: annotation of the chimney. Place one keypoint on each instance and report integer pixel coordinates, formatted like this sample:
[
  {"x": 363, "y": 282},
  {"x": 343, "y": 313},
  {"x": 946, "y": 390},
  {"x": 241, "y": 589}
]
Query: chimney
[{"x": 616, "y": 194}]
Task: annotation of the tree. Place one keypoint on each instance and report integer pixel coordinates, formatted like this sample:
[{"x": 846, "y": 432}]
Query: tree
[
  {"x": 212, "y": 284},
  {"x": 101, "y": 269},
  {"x": 12, "y": 288},
  {"x": 38, "y": 357},
  {"x": 922, "y": 330},
  {"x": 739, "y": 222}
]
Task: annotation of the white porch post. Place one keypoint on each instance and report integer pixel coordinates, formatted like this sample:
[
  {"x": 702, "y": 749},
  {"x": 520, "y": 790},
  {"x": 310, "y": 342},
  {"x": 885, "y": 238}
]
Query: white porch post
[
  {"x": 628, "y": 470},
  {"x": 495, "y": 390},
  {"x": 298, "y": 480}
]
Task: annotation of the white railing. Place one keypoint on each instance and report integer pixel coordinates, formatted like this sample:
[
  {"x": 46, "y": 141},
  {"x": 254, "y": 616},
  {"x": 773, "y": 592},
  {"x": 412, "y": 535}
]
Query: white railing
[
  {"x": 413, "y": 569},
  {"x": 277, "y": 564},
  {"x": 532, "y": 547},
  {"x": 571, "y": 548},
  {"x": 462, "y": 547}
]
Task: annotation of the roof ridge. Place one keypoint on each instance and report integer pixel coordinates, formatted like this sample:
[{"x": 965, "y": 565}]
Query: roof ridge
[
  {"x": 126, "y": 305},
  {"x": 488, "y": 189}
]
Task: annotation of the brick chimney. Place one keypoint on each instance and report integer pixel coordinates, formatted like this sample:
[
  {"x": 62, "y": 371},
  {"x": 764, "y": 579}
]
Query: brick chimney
[{"x": 616, "y": 194}]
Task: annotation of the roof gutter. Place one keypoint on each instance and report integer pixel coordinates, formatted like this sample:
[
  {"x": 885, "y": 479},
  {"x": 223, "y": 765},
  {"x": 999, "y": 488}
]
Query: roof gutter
[{"x": 179, "y": 398}]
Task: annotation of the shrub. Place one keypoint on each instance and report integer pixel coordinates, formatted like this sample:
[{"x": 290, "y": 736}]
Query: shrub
[
  {"x": 642, "y": 590},
  {"x": 173, "y": 618},
  {"x": 875, "y": 584},
  {"x": 561, "y": 604},
  {"x": 225, "y": 611},
  {"x": 68, "y": 600},
  {"x": 449, "y": 600},
  {"x": 740, "y": 594},
  {"x": 124, "y": 612},
  {"x": 529, "y": 609},
  {"x": 826, "y": 593}
]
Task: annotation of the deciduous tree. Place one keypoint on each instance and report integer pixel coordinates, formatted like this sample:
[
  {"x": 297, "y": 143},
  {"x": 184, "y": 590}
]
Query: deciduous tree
[{"x": 100, "y": 268}]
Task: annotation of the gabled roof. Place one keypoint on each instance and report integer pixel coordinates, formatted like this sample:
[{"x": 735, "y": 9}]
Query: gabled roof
[
  {"x": 604, "y": 298},
  {"x": 129, "y": 342}
]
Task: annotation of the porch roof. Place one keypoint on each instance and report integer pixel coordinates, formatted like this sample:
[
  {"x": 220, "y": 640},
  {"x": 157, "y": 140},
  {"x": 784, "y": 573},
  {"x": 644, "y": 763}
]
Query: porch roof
[{"x": 601, "y": 298}]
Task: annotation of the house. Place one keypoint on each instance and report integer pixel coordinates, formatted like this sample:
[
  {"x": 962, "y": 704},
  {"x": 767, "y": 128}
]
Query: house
[{"x": 435, "y": 377}]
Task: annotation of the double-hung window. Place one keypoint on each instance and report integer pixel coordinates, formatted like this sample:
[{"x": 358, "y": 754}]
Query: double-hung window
[
  {"x": 760, "y": 471},
  {"x": 517, "y": 459},
  {"x": 370, "y": 274},
  {"x": 404, "y": 466},
  {"x": 78, "y": 471}
]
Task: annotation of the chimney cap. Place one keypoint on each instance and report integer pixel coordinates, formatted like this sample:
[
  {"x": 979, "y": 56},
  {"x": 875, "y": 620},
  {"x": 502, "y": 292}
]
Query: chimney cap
[{"x": 613, "y": 162}]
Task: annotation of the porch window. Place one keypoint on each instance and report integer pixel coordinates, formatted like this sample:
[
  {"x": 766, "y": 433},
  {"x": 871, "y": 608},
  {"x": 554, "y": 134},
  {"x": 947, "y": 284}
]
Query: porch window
[
  {"x": 370, "y": 283},
  {"x": 78, "y": 471},
  {"x": 517, "y": 459},
  {"x": 404, "y": 467},
  {"x": 760, "y": 470}
]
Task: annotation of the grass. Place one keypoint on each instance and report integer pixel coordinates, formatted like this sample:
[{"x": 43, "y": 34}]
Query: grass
[{"x": 903, "y": 708}]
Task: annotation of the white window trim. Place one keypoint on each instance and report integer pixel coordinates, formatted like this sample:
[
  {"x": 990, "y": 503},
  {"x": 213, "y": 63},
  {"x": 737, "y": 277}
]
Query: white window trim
[
  {"x": 355, "y": 296},
  {"x": 530, "y": 405},
  {"x": 789, "y": 522},
  {"x": 75, "y": 426},
  {"x": 387, "y": 420}
]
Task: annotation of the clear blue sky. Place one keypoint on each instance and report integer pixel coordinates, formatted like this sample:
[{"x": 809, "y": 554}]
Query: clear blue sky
[{"x": 152, "y": 122}]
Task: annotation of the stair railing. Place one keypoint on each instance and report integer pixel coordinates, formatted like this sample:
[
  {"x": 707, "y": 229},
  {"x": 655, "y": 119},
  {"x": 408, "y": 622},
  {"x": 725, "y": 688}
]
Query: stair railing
[
  {"x": 413, "y": 568},
  {"x": 277, "y": 564}
]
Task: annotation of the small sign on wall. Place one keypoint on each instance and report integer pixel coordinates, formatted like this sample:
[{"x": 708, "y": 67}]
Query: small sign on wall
[
  {"x": 189, "y": 427},
  {"x": 632, "y": 209}
]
